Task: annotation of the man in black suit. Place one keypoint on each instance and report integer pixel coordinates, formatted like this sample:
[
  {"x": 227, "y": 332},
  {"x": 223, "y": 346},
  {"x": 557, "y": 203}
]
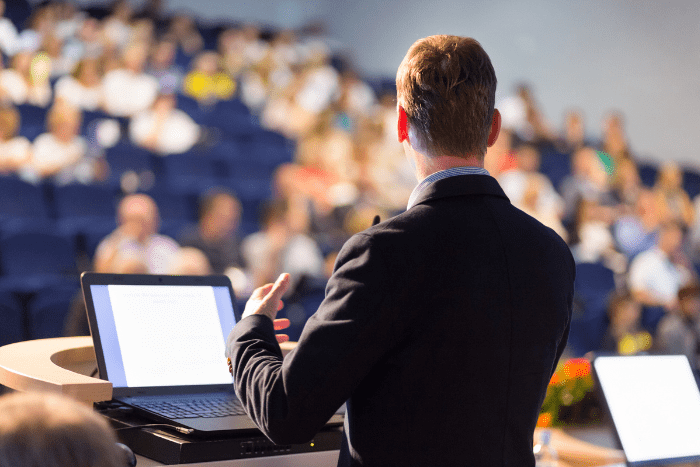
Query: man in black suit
[{"x": 441, "y": 327}]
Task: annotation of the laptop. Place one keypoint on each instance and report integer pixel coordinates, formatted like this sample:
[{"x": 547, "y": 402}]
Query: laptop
[
  {"x": 654, "y": 404},
  {"x": 160, "y": 340}
]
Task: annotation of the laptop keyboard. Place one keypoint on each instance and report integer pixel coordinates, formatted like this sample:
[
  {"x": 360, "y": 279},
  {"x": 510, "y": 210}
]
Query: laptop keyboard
[{"x": 194, "y": 408}]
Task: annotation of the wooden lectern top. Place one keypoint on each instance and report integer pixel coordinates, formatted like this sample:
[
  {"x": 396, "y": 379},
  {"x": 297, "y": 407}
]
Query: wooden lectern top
[{"x": 56, "y": 365}]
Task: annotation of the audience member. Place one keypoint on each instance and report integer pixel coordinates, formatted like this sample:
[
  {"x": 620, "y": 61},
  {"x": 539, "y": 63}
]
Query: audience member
[
  {"x": 8, "y": 33},
  {"x": 14, "y": 150},
  {"x": 189, "y": 261},
  {"x": 656, "y": 275},
  {"x": 60, "y": 152},
  {"x": 163, "y": 128},
  {"x": 589, "y": 180},
  {"x": 625, "y": 334},
  {"x": 674, "y": 203},
  {"x": 27, "y": 82},
  {"x": 129, "y": 90},
  {"x": 282, "y": 245},
  {"x": 43, "y": 429},
  {"x": 206, "y": 82},
  {"x": 83, "y": 88},
  {"x": 636, "y": 231},
  {"x": 215, "y": 234},
  {"x": 163, "y": 67},
  {"x": 136, "y": 237},
  {"x": 678, "y": 332}
]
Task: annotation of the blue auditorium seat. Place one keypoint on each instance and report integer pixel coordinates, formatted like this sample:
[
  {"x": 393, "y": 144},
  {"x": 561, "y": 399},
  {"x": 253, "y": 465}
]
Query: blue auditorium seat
[
  {"x": 22, "y": 205},
  {"x": 11, "y": 316},
  {"x": 190, "y": 172},
  {"x": 648, "y": 172},
  {"x": 85, "y": 211},
  {"x": 691, "y": 182},
  {"x": 84, "y": 201},
  {"x": 192, "y": 108},
  {"x": 32, "y": 120},
  {"x": 594, "y": 283},
  {"x": 48, "y": 309},
  {"x": 555, "y": 166},
  {"x": 36, "y": 253},
  {"x": 125, "y": 157}
]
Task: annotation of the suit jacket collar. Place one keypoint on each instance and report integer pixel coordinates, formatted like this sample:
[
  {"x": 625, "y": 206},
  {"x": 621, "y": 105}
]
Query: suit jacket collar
[{"x": 459, "y": 186}]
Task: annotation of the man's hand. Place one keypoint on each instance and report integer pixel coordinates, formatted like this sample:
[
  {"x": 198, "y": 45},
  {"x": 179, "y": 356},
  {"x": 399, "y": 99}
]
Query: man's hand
[{"x": 267, "y": 300}]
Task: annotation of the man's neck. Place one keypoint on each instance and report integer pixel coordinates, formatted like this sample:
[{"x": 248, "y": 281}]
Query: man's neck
[{"x": 429, "y": 165}]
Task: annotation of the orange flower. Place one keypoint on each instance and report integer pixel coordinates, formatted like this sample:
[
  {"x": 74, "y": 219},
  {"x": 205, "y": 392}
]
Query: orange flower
[
  {"x": 577, "y": 368},
  {"x": 555, "y": 379},
  {"x": 544, "y": 420}
]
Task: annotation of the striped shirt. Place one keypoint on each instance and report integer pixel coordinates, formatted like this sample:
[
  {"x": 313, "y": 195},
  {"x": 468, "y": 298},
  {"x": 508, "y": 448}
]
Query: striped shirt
[{"x": 434, "y": 177}]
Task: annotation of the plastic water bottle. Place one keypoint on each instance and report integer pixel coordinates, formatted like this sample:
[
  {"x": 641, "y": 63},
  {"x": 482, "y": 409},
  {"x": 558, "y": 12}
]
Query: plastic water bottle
[{"x": 545, "y": 454}]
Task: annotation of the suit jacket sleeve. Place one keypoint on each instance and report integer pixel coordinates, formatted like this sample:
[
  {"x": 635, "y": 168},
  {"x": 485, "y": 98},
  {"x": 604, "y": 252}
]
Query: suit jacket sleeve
[{"x": 290, "y": 399}]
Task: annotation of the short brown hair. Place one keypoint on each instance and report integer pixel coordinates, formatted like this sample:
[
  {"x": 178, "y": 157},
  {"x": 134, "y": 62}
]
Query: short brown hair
[
  {"x": 447, "y": 86},
  {"x": 50, "y": 430}
]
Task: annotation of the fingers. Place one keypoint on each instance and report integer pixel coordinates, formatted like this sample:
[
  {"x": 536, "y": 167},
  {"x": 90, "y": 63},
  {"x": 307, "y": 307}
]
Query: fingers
[
  {"x": 281, "y": 323},
  {"x": 261, "y": 291},
  {"x": 281, "y": 338},
  {"x": 278, "y": 289}
]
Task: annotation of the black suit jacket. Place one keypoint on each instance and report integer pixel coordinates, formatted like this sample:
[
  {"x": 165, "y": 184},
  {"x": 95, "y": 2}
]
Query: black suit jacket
[{"x": 441, "y": 328}]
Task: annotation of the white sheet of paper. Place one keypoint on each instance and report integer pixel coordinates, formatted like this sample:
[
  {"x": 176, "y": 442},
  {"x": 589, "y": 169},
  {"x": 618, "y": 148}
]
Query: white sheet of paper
[{"x": 169, "y": 335}]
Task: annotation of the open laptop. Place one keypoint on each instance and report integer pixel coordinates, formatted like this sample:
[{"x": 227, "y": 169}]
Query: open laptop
[
  {"x": 654, "y": 404},
  {"x": 160, "y": 340}
]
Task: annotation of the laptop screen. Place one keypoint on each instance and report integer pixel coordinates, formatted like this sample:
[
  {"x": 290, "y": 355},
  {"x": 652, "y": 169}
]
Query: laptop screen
[
  {"x": 655, "y": 406},
  {"x": 163, "y": 335}
]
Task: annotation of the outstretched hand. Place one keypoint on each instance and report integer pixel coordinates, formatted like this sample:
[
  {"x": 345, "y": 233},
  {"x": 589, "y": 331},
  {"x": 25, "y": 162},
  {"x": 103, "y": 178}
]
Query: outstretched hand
[{"x": 267, "y": 301}]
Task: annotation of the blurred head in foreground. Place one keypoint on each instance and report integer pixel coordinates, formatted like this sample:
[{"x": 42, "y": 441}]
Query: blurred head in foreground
[{"x": 46, "y": 430}]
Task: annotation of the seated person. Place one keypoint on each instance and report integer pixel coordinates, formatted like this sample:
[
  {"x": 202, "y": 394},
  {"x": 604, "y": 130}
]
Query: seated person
[
  {"x": 656, "y": 275},
  {"x": 43, "y": 429},
  {"x": 282, "y": 245},
  {"x": 14, "y": 150},
  {"x": 59, "y": 152},
  {"x": 136, "y": 237},
  {"x": 215, "y": 234},
  {"x": 625, "y": 335},
  {"x": 163, "y": 128},
  {"x": 128, "y": 90},
  {"x": 678, "y": 332},
  {"x": 83, "y": 88},
  {"x": 206, "y": 82},
  {"x": 27, "y": 82}
]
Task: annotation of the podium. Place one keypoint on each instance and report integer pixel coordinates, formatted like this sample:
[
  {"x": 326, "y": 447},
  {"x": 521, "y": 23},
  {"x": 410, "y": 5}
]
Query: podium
[{"x": 63, "y": 365}]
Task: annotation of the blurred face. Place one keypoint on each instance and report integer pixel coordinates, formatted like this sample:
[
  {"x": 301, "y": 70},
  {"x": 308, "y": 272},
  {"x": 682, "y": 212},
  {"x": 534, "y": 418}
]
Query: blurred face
[
  {"x": 670, "y": 239},
  {"x": 223, "y": 218},
  {"x": 139, "y": 217}
]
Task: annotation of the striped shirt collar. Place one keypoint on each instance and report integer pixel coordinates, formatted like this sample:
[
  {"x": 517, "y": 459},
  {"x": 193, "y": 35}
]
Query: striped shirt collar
[{"x": 434, "y": 177}]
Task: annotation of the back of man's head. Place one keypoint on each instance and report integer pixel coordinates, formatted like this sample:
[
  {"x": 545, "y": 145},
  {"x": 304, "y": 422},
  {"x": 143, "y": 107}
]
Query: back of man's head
[
  {"x": 46, "y": 430},
  {"x": 447, "y": 86}
]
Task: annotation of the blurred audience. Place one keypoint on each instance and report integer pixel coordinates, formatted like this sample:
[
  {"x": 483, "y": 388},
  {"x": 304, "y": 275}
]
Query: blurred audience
[
  {"x": 216, "y": 233},
  {"x": 206, "y": 82},
  {"x": 127, "y": 89},
  {"x": 136, "y": 239},
  {"x": 625, "y": 334},
  {"x": 163, "y": 128},
  {"x": 27, "y": 82},
  {"x": 60, "y": 153},
  {"x": 83, "y": 88},
  {"x": 678, "y": 332},
  {"x": 15, "y": 150}
]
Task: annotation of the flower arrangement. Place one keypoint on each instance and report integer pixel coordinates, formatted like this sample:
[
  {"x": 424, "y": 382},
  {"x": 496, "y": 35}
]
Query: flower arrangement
[{"x": 571, "y": 383}]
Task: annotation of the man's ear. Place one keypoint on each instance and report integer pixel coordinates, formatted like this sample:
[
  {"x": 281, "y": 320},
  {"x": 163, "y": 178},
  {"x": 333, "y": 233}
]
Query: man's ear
[
  {"x": 403, "y": 125},
  {"x": 495, "y": 127}
]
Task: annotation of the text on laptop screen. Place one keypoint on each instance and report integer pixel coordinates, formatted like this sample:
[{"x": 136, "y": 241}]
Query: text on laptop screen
[
  {"x": 655, "y": 405},
  {"x": 167, "y": 335}
]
